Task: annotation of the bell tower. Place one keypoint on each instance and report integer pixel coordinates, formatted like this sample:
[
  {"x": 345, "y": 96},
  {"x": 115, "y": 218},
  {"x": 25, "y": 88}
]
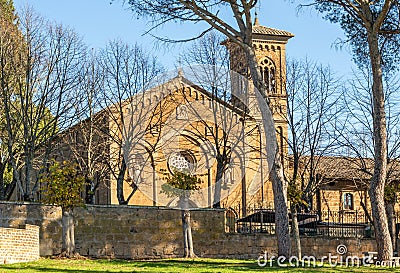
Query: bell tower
[{"x": 270, "y": 49}]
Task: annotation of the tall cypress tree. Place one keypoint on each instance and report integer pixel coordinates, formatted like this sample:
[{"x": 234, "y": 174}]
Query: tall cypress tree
[
  {"x": 10, "y": 44},
  {"x": 7, "y": 11}
]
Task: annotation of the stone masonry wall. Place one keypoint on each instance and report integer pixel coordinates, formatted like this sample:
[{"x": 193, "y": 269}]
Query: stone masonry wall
[
  {"x": 19, "y": 244},
  {"x": 156, "y": 232}
]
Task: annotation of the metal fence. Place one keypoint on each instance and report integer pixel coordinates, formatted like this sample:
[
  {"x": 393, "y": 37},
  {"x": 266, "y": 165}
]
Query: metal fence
[
  {"x": 264, "y": 225},
  {"x": 345, "y": 223},
  {"x": 344, "y": 217}
]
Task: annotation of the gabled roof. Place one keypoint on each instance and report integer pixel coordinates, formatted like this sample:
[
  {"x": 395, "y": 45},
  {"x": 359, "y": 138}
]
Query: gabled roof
[
  {"x": 181, "y": 79},
  {"x": 348, "y": 168},
  {"x": 176, "y": 82},
  {"x": 345, "y": 168},
  {"x": 258, "y": 29}
]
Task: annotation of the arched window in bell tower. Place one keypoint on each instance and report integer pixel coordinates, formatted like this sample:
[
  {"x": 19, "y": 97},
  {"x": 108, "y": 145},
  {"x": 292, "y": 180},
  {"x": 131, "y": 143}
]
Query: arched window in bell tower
[{"x": 268, "y": 74}]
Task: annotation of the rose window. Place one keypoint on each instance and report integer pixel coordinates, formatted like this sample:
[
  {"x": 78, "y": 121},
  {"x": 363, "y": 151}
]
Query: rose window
[{"x": 182, "y": 161}]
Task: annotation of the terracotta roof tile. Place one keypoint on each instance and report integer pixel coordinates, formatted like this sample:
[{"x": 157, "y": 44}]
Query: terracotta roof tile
[
  {"x": 350, "y": 168},
  {"x": 258, "y": 29}
]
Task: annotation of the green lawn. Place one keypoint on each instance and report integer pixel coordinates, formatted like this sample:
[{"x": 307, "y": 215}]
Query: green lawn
[{"x": 167, "y": 265}]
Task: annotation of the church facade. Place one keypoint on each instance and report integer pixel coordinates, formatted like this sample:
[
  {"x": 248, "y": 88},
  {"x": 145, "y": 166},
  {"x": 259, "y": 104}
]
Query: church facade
[
  {"x": 192, "y": 127},
  {"x": 187, "y": 122}
]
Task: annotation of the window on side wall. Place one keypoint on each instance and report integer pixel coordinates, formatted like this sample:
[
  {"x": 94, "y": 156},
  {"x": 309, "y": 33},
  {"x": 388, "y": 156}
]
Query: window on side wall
[{"x": 348, "y": 201}]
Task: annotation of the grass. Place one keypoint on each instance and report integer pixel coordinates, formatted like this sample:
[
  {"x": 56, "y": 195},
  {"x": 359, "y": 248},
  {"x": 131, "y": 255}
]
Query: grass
[{"x": 168, "y": 265}]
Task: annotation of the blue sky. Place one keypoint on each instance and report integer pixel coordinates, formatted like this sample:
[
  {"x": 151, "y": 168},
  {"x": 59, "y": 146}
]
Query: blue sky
[{"x": 98, "y": 21}]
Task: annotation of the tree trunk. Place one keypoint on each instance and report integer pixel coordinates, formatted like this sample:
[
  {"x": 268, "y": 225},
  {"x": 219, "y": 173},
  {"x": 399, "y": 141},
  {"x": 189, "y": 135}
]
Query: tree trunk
[
  {"x": 120, "y": 184},
  {"x": 186, "y": 228},
  {"x": 377, "y": 185},
  {"x": 28, "y": 167},
  {"x": 279, "y": 185},
  {"x": 68, "y": 233},
  {"x": 2, "y": 185},
  {"x": 187, "y": 235},
  {"x": 9, "y": 190},
  {"x": 296, "y": 250},
  {"x": 281, "y": 210},
  {"x": 390, "y": 212},
  {"x": 218, "y": 182}
]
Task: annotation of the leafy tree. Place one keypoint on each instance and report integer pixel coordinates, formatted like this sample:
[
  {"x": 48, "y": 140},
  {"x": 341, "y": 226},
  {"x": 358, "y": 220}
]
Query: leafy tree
[
  {"x": 62, "y": 186},
  {"x": 10, "y": 47},
  {"x": 181, "y": 184},
  {"x": 7, "y": 11},
  {"x": 372, "y": 29},
  {"x": 238, "y": 31}
]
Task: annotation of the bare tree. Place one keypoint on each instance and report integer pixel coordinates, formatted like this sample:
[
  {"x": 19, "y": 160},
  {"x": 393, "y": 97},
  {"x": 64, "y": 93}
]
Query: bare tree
[
  {"x": 227, "y": 126},
  {"x": 208, "y": 62},
  {"x": 238, "y": 32},
  {"x": 42, "y": 100},
  {"x": 355, "y": 133},
  {"x": 128, "y": 72},
  {"x": 85, "y": 142},
  {"x": 312, "y": 108},
  {"x": 207, "y": 50},
  {"x": 372, "y": 29}
]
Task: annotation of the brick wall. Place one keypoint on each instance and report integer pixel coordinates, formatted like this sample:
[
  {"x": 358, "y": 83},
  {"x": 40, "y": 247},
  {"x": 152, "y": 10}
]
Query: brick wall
[
  {"x": 19, "y": 244},
  {"x": 156, "y": 232}
]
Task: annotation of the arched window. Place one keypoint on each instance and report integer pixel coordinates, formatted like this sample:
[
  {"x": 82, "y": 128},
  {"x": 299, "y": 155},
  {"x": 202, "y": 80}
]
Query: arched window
[
  {"x": 348, "y": 202},
  {"x": 231, "y": 217},
  {"x": 182, "y": 161},
  {"x": 228, "y": 177},
  {"x": 268, "y": 74}
]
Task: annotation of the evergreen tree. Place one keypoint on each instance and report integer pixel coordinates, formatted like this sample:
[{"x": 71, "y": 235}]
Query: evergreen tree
[
  {"x": 7, "y": 11},
  {"x": 62, "y": 186},
  {"x": 10, "y": 46}
]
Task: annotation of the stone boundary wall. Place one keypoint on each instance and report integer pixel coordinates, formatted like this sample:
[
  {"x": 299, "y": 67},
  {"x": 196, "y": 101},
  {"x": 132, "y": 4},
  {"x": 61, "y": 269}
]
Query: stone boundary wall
[
  {"x": 137, "y": 232},
  {"x": 19, "y": 244}
]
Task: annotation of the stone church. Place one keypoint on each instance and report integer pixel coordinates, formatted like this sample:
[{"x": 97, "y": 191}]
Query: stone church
[
  {"x": 191, "y": 127},
  {"x": 196, "y": 120}
]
